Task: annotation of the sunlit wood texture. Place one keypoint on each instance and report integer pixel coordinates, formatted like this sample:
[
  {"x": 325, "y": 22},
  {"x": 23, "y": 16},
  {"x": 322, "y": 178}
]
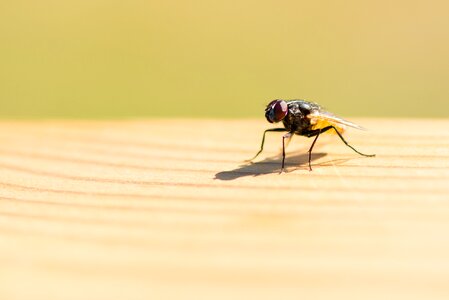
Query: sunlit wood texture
[{"x": 168, "y": 209}]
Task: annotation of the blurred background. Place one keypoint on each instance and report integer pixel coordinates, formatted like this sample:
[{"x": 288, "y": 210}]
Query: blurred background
[{"x": 125, "y": 59}]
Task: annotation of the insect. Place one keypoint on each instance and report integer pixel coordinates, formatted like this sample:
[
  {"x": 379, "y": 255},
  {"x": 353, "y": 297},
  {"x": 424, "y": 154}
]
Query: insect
[{"x": 307, "y": 119}]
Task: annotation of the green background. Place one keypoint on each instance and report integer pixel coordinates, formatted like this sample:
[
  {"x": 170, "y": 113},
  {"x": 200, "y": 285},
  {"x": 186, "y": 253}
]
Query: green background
[{"x": 120, "y": 59}]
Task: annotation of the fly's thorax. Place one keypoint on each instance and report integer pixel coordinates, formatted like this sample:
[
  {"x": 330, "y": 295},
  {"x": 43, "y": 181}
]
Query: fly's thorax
[{"x": 296, "y": 119}]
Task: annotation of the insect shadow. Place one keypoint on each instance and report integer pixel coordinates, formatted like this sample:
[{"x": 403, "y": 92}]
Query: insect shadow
[{"x": 268, "y": 166}]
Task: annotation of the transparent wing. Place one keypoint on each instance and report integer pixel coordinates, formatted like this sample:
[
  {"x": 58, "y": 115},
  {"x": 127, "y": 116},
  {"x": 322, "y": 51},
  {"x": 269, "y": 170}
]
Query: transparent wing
[{"x": 324, "y": 118}]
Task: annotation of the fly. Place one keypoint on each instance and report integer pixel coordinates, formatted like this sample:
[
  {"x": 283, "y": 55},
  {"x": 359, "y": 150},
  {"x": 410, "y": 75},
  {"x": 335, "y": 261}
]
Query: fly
[{"x": 306, "y": 119}]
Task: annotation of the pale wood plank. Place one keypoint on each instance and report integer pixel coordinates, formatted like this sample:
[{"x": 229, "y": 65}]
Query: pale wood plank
[{"x": 168, "y": 209}]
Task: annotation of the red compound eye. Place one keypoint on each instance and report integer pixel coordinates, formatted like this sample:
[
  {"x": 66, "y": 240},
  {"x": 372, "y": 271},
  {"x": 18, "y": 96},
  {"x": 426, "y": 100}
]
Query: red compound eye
[
  {"x": 269, "y": 106},
  {"x": 276, "y": 111}
]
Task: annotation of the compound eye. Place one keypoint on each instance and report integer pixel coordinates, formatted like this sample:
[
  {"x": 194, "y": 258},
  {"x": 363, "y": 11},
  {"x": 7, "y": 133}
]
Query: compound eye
[
  {"x": 276, "y": 111},
  {"x": 270, "y": 105},
  {"x": 280, "y": 110}
]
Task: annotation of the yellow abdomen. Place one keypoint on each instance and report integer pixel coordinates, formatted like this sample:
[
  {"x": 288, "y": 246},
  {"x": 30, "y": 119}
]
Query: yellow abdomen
[{"x": 320, "y": 123}]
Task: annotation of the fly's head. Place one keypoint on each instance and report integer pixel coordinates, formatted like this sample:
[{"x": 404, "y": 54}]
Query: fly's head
[{"x": 276, "y": 111}]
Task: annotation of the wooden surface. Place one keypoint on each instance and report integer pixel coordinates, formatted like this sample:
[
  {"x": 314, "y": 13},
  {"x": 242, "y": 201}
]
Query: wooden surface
[{"x": 168, "y": 209}]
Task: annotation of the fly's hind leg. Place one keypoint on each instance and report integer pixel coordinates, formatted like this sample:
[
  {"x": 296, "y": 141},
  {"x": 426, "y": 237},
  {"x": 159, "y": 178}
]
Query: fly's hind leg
[
  {"x": 346, "y": 143},
  {"x": 317, "y": 133},
  {"x": 263, "y": 141}
]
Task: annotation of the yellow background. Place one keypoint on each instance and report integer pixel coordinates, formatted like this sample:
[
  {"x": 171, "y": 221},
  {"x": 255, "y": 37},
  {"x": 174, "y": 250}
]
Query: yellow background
[{"x": 119, "y": 59}]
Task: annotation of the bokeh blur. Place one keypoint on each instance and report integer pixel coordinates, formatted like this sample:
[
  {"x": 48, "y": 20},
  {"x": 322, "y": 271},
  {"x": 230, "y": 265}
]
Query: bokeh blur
[{"x": 135, "y": 58}]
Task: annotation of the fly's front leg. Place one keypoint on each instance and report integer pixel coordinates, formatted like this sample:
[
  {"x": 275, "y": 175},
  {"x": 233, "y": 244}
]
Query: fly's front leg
[
  {"x": 263, "y": 140},
  {"x": 286, "y": 136}
]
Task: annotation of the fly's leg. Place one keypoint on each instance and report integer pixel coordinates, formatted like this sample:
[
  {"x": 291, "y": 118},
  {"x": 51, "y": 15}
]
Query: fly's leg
[
  {"x": 346, "y": 143},
  {"x": 286, "y": 136},
  {"x": 315, "y": 133},
  {"x": 263, "y": 140},
  {"x": 310, "y": 150}
]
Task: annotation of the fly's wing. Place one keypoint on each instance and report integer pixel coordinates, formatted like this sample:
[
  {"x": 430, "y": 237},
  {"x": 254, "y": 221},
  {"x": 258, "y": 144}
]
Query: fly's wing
[{"x": 321, "y": 118}]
